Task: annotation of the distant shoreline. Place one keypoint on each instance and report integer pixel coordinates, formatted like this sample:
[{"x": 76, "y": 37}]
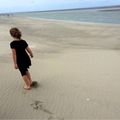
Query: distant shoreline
[
  {"x": 116, "y": 7},
  {"x": 6, "y": 14},
  {"x": 70, "y": 21},
  {"x": 111, "y": 8},
  {"x": 108, "y": 15}
]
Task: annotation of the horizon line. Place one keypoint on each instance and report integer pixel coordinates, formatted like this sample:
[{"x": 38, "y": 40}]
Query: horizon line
[{"x": 85, "y": 8}]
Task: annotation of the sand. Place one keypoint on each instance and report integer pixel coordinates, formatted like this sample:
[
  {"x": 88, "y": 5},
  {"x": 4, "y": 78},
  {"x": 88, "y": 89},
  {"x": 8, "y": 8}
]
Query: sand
[{"x": 77, "y": 66}]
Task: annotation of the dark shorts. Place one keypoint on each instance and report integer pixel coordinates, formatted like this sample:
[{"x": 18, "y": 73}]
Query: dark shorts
[{"x": 23, "y": 71}]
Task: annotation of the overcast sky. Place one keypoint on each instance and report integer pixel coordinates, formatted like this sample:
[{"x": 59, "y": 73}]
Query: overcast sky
[{"x": 38, "y": 5}]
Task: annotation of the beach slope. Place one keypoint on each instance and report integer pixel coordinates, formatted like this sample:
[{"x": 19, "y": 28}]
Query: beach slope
[{"x": 77, "y": 66}]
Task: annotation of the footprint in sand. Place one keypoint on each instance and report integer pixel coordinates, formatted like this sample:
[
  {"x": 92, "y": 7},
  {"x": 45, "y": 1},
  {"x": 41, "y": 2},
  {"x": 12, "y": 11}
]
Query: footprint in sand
[
  {"x": 38, "y": 105},
  {"x": 35, "y": 84}
]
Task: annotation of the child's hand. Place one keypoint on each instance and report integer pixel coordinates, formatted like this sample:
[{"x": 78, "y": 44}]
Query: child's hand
[{"x": 16, "y": 66}]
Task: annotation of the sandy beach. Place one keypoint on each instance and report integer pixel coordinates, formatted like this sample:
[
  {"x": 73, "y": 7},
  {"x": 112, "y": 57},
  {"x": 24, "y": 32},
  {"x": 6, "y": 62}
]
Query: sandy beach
[{"x": 77, "y": 66}]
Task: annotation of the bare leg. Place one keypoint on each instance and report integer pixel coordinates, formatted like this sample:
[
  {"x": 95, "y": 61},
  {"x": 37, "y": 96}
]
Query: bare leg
[
  {"x": 29, "y": 77},
  {"x": 27, "y": 82}
]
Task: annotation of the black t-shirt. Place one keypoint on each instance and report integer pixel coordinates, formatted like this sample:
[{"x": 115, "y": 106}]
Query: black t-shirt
[{"x": 23, "y": 59}]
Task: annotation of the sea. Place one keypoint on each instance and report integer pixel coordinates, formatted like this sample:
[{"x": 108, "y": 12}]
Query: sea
[{"x": 93, "y": 16}]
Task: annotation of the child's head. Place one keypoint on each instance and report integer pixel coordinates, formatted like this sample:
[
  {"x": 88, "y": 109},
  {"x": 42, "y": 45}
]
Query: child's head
[{"x": 15, "y": 32}]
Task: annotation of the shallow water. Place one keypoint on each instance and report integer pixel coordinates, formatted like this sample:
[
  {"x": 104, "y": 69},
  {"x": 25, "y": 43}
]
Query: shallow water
[{"x": 96, "y": 16}]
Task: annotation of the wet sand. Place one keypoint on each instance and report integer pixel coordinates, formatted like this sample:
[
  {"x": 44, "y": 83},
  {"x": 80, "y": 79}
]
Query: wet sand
[{"x": 76, "y": 65}]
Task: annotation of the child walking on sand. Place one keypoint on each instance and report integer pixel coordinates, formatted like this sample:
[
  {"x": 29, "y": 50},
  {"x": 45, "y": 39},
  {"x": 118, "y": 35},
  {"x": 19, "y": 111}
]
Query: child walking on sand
[{"x": 21, "y": 59}]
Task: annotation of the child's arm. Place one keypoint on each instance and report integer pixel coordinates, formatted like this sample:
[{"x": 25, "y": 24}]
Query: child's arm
[
  {"x": 29, "y": 51},
  {"x": 14, "y": 58}
]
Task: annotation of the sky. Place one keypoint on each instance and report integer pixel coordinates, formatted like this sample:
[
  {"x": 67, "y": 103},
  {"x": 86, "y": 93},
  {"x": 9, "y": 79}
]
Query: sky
[{"x": 7, "y": 6}]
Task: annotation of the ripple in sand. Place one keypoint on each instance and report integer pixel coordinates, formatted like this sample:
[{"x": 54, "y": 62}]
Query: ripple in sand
[{"x": 55, "y": 118}]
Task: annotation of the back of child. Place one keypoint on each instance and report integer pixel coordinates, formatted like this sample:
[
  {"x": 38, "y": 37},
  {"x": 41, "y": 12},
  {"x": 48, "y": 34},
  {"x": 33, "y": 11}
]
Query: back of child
[{"x": 20, "y": 54}]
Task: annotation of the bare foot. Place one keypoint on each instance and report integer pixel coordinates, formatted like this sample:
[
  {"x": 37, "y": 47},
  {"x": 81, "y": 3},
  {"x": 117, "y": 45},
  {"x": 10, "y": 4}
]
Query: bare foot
[{"x": 27, "y": 87}]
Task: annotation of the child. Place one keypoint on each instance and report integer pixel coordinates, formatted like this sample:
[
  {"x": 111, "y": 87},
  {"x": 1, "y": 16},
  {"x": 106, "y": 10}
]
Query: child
[{"x": 21, "y": 59}]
